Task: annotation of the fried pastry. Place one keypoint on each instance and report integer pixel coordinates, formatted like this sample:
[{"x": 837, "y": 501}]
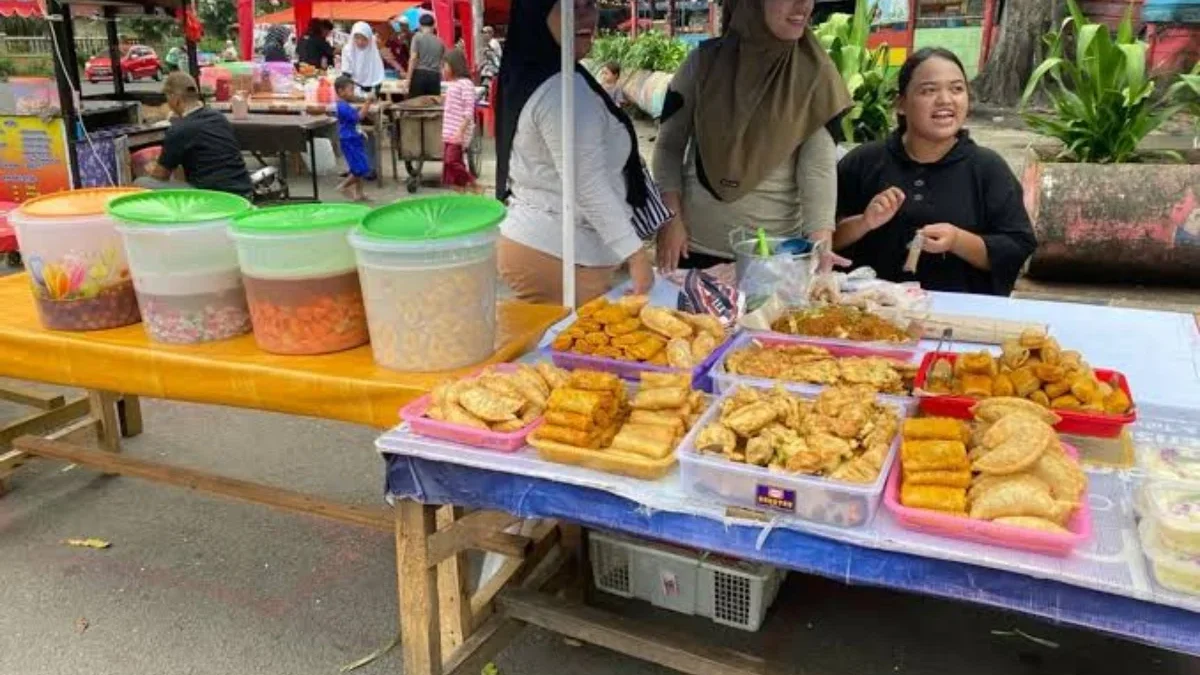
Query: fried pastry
[
  {"x": 933, "y": 455},
  {"x": 705, "y": 323},
  {"x": 633, "y": 304},
  {"x": 1033, "y": 523},
  {"x": 591, "y": 380},
  {"x": 624, "y": 327},
  {"x": 567, "y": 399},
  {"x": 455, "y": 414},
  {"x": 822, "y": 454},
  {"x": 679, "y": 354},
  {"x": 1013, "y": 355},
  {"x": 610, "y": 314},
  {"x": 759, "y": 451},
  {"x": 975, "y": 385},
  {"x": 1016, "y": 425},
  {"x": 955, "y": 479},
  {"x": 1012, "y": 456},
  {"x": 993, "y": 409},
  {"x": 1040, "y": 398},
  {"x": 934, "y": 497},
  {"x": 575, "y": 437},
  {"x": 674, "y": 422},
  {"x": 664, "y": 322},
  {"x": 508, "y": 427},
  {"x": 660, "y": 399},
  {"x": 563, "y": 342},
  {"x": 434, "y": 412},
  {"x": 1003, "y": 385},
  {"x": 855, "y": 471},
  {"x": 1117, "y": 403},
  {"x": 1024, "y": 381},
  {"x": 1066, "y": 480},
  {"x": 555, "y": 377},
  {"x": 1067, "y": 402},
  {"x": 717, "y": 436},
  {"x": 978, "y": 363},
  {"x": 1027, "y": 497},
  {"x": 1048, "y": 372},
  {"x": 936, "y": 429},
  {"x": 489, "y": 405},
  {"x": 647, "y": 440},
  {"x": 1086, "y": 390},
  {"x": 749, "y": 420},
  {"x": 1055, "y": 389},
  {"x": 590, "y": 307},
  {"x": 702, "y": 345},
  {"x": 1032, "y": 338},
  {"x": 570, "y": 420}
]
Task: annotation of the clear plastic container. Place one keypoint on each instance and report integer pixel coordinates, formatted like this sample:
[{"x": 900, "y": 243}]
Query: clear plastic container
[
  {"x": 428, "y": 273},
  {"x": 822, "y": 500},
  {"x": 1166, "y": 444},
  {"x": 1175, "y": 510},
  {"x": 724, "y": 380},
  {"x": 184, "y": 266},
  {"x": 300, "y": 276},
  {"x": 1176, "y": 571},
  {"x": 78, "y": 270}
]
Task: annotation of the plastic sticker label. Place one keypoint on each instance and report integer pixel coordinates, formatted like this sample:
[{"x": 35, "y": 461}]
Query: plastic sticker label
[{"x": 775, "y": 498}]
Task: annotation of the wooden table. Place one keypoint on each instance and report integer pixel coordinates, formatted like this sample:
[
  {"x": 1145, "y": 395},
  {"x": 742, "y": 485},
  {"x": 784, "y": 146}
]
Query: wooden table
[{"x": 283, "y": 134}]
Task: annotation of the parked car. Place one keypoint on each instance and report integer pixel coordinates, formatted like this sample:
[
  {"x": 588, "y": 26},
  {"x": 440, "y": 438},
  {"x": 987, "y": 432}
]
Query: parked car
[{"x": 139, "y": 62}]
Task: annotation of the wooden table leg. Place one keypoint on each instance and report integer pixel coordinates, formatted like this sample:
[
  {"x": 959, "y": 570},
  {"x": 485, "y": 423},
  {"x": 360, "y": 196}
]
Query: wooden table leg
[
  {"x": 454, "y": 604},
  {"x": 418, "y": 589},
  {"x": 104, "y": 408},
  {"x": 129, "y": 412}
]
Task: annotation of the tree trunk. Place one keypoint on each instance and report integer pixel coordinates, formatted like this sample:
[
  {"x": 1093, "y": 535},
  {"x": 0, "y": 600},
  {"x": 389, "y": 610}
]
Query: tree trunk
[{"x": 1023, "y": 23}]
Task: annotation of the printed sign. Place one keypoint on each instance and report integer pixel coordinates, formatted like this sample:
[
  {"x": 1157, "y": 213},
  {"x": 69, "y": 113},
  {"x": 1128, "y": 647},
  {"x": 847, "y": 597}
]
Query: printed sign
[
  {"x": 775, "y": 498},
  {"x": 33, "y": 157}
]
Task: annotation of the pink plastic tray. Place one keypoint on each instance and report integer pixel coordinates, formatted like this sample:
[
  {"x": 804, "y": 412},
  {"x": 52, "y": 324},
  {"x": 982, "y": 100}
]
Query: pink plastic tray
[
  {"x": 985, "y": 532},
  {"x": 632, "y": 370},
  {"x": 414, "y": 414}
]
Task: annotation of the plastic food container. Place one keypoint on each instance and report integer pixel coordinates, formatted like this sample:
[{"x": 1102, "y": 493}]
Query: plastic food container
[
  {"x": 1075, "y": 422},
  {"x": 414, "y": 414},
  {"x": 632, "y": 370},
  {"x": 1175, "y": 510},
  {"x": 184, "y": 265},
  {"x": 428, "y": 273},
  {"x": 821, "y": 500},
  {"x": 1167, "y": 444},
  {"x": 1173, "y": 570},
  {"x": 987, "y": 532},
  {"x": 300, "y": 276},
  {"x": 724, "y": 381},
  {"x": 77, "y": 267}
]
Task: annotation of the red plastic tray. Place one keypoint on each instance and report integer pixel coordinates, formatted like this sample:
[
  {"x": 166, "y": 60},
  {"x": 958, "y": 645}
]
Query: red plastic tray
[
  {"x": 632, "y": 370},
  {"x": 414, "y": 414},
  {"x": 1100, "y": 425},
  {"x": 987, "y": 532},
  {"x": 8, "y": 238}
]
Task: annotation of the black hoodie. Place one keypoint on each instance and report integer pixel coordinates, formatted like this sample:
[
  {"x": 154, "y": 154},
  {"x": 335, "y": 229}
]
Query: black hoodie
[{"x": 971, "y": 187}]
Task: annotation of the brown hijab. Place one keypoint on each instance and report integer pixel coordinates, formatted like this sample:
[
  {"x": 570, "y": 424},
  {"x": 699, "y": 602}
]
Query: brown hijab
[{"x": 759, "y": 98}]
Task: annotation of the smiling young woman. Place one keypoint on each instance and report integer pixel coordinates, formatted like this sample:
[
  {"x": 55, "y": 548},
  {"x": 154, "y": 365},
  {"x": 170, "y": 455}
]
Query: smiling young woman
[{"x": 929, "y": 177}]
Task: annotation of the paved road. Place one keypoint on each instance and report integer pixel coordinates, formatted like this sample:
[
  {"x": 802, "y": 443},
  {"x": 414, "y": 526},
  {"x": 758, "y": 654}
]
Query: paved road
[{"x": 102, "y": 88}]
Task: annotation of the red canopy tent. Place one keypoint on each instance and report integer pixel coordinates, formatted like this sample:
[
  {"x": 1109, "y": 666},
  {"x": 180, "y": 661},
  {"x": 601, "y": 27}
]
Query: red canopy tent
[{"x": 22, "y": 8}]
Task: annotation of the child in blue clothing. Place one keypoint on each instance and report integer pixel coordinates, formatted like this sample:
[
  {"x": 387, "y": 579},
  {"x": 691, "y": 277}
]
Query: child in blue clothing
[{"x": 351, "y": 137}]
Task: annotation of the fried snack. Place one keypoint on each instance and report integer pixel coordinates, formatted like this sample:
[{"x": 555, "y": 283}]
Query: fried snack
[
  {"x": 592, "y": 380},
  {"x": 489, "y": 405},
  {"x": 936, "y": 429},
  {"x": 979, "y": 363},
  {"x": 567, "y": 399},
  {"x": 976, "y": 386},
  {"x": 1026, "y": 496},
  {"x": 679, "y": 354},
  {"x": 624, "y": 327},
  {"x": 1047, "y": 372},
  {"x": 583, "y": 347},
  {"x": 1055, "y": 389},
  {"x": 934, "y": 497},
  {"x": 660, "y": 399},
  {"x": 660, "y": 419},
  {"x": 590, "y": 307},
  {"x": 1040, "y": 398},
  {"x": 1086, "y": 390},
  {"x": 650, "y": 441},
  {"x": 508, "y": 427},
  {"x": 956, "y": 479},
  {"x": 1016, "y": 425},
  {"x": 1032, "y": 523},
  {"x": 839, "y": 321},
  {"x": 580, "y": 439},
  {"x": 562, "y": 342},
  {"x": 1012, "y": 456},
  {"x": 1117, "y": 402},
  {"x": 993, "y": 409},
  {"x": 749, "y": 420},
  {"x": 705, "y": 323},
  {"x": 1066, "y": 480},
  {"x": 435, "y": 412},
  {"x": 633, "y": 304},
  {"x": 534, "y": 378},
  {"x": 1067, "y": 402},
  {"x": 1013, "y": 355},
  {"x": 822, "y": 454},
  {"x": 941, "y": 374},
  {"x": 664, "y": 322},
  {"x": 653, "y": 380},
  {"x": 530, "y": 386},
  {"x": 1050, "y": 351},
  {"x": 596, "y": 339},
  {"x": 857, "y": 470},
  {"x": 555, "y": 377},
  {"x": 454, "y": 414},
  {"x": 1032, "y": 338},
  {"x": 630, "y": 339},
  {"x": 933, "y": 455},
  {"x": 1002, "y": 385},
  {"x": 610, "y": 314},
  {"x": 570, "y": 420},
  {"x": 1024, "y": 381},
  {"x": 702, "y": 345},
  {"x": 531, "y": 413},
  {"x": 717, "y": 436}
]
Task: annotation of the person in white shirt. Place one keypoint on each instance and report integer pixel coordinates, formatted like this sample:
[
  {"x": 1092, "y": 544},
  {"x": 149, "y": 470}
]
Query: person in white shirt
[{"x": 610, "y": 180}]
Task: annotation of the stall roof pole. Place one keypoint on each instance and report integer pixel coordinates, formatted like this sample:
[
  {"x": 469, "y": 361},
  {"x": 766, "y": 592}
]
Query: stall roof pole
[
  {"x": 66, "y": 71},
  {"x": 568, "y": 144},
  {"x": 245, "y": 16},
  {"x": 114, "y": 51}
]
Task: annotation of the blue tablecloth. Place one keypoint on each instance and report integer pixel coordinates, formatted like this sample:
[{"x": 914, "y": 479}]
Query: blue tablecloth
[{"x": 440, "y": 483}]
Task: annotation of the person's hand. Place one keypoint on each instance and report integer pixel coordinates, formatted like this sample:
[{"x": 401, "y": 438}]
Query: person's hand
[
  {"x": 641, "y": 270},
  {"x": 823, "y": 244},
  {"x": 883, "y": 207},
  {"x": 672, "y": 244},
  {"x": 939, "y": 237}
]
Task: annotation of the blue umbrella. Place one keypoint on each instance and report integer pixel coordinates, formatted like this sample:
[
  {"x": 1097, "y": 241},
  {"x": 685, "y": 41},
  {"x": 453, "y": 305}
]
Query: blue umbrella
[{"x": 413, "y": 15}]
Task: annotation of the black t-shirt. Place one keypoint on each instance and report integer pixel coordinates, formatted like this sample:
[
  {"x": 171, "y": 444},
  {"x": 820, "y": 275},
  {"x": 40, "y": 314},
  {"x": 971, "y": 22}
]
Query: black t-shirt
[
  {"x": 971, "y": 188},
  {"x": 312, "y": 50},
  {"x": 204, "y": 144}
]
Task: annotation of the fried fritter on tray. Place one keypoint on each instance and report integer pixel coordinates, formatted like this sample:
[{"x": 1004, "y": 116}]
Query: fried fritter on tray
[
  {"x": 632, "y": 330},
  {"x": 500, "y": 400},
  {"x": 844, "y": 434},
  {"x": 816, "y": 365}
]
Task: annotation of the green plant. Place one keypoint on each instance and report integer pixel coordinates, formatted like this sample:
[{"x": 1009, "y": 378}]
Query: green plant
[
  {"x": 7, "y": 69},
  {"x": 651, "y": 50},
  {"x": 865, "y": 71},
  {"x": 1102, "y": 99},
  {"x": 1187, "y": 92}
]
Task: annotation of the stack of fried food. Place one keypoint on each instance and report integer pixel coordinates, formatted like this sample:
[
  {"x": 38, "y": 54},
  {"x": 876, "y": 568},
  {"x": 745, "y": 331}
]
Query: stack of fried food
[
  {"x": 841, "y": 322},
  {"x": 504, "y": 401},
  {"x": 843, "y": 434},
  {"x": 816, "y": 365},
  {"x": 593, "y": 412},
  {"x": 1015, "y": 472},
  {"x": 1032, "y": 367},
  {"x": 631, "y": 330}
]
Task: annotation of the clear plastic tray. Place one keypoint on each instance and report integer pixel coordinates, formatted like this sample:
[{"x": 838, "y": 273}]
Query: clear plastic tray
[
  {"x": 1175, "y": 510},
  {"x": 414, "y": 414},
  {"x": 986, "y": 532},
  {"x": 724, "y": 381},
  {"x": 812, "y": 498},
  {"x": 632, "y": 370},
  {"x": 1167, "y": 444},
  {"x": 1175, "y": 571}
]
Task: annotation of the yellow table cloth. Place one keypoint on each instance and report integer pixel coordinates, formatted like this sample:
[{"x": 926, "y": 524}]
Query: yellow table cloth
[{"x": 344, "y": 386}]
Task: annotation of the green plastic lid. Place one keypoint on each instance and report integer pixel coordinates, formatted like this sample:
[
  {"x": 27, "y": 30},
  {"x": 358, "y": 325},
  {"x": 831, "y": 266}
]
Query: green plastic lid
[
  {"x": 425, "y": 218},
  {"x": 299, "y": 218},
  {"x": 177, "y": 207}
]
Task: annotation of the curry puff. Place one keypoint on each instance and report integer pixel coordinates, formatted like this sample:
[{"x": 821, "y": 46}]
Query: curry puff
[{"x": 503, "y": 400}]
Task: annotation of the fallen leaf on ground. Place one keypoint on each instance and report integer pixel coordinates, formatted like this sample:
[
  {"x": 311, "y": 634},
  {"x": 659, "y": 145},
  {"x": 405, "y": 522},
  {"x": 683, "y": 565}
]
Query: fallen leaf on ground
[
  {"x": 370, "y": 657},
  {"x": 90, "y": 542},
  {"x": 81, "y": 624}
]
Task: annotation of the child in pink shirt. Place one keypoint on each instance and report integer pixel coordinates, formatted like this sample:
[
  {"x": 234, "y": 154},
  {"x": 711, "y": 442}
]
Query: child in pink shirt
[{"x": 458, "y": 120}]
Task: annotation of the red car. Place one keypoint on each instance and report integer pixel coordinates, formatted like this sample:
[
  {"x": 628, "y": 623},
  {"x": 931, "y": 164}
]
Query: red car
[{"x": 139, "y": 62}]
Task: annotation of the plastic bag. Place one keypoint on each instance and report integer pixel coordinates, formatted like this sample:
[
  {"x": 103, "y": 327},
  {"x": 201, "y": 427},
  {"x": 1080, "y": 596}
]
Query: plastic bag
[
  {"x": 701, "y": 293},
  {"x": 862, "y": 289},
  {"x": 784, "y": 276}
]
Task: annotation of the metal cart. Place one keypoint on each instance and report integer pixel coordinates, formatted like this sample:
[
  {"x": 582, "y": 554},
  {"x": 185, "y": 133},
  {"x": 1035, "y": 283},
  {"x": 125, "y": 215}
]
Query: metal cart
[{"x": 418, "y": 139}]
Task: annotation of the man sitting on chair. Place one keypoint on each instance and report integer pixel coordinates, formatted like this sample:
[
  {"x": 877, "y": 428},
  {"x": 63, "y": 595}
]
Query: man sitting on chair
[{"x": 201, "y": 142}]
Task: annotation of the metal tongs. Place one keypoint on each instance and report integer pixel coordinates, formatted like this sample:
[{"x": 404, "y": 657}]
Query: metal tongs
[{"x": 940, "y": 371}]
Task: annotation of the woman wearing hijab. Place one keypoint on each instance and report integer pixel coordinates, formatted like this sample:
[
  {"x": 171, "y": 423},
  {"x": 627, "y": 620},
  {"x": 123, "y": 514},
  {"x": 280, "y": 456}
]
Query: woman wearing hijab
[
  {"x": 928, "y": 181},
  {"x": 361, "y": 61},
  {"x": 529, "y": 157},
  {"x": 743, "y": 140},
  {"x": 274, "y": 48}
]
